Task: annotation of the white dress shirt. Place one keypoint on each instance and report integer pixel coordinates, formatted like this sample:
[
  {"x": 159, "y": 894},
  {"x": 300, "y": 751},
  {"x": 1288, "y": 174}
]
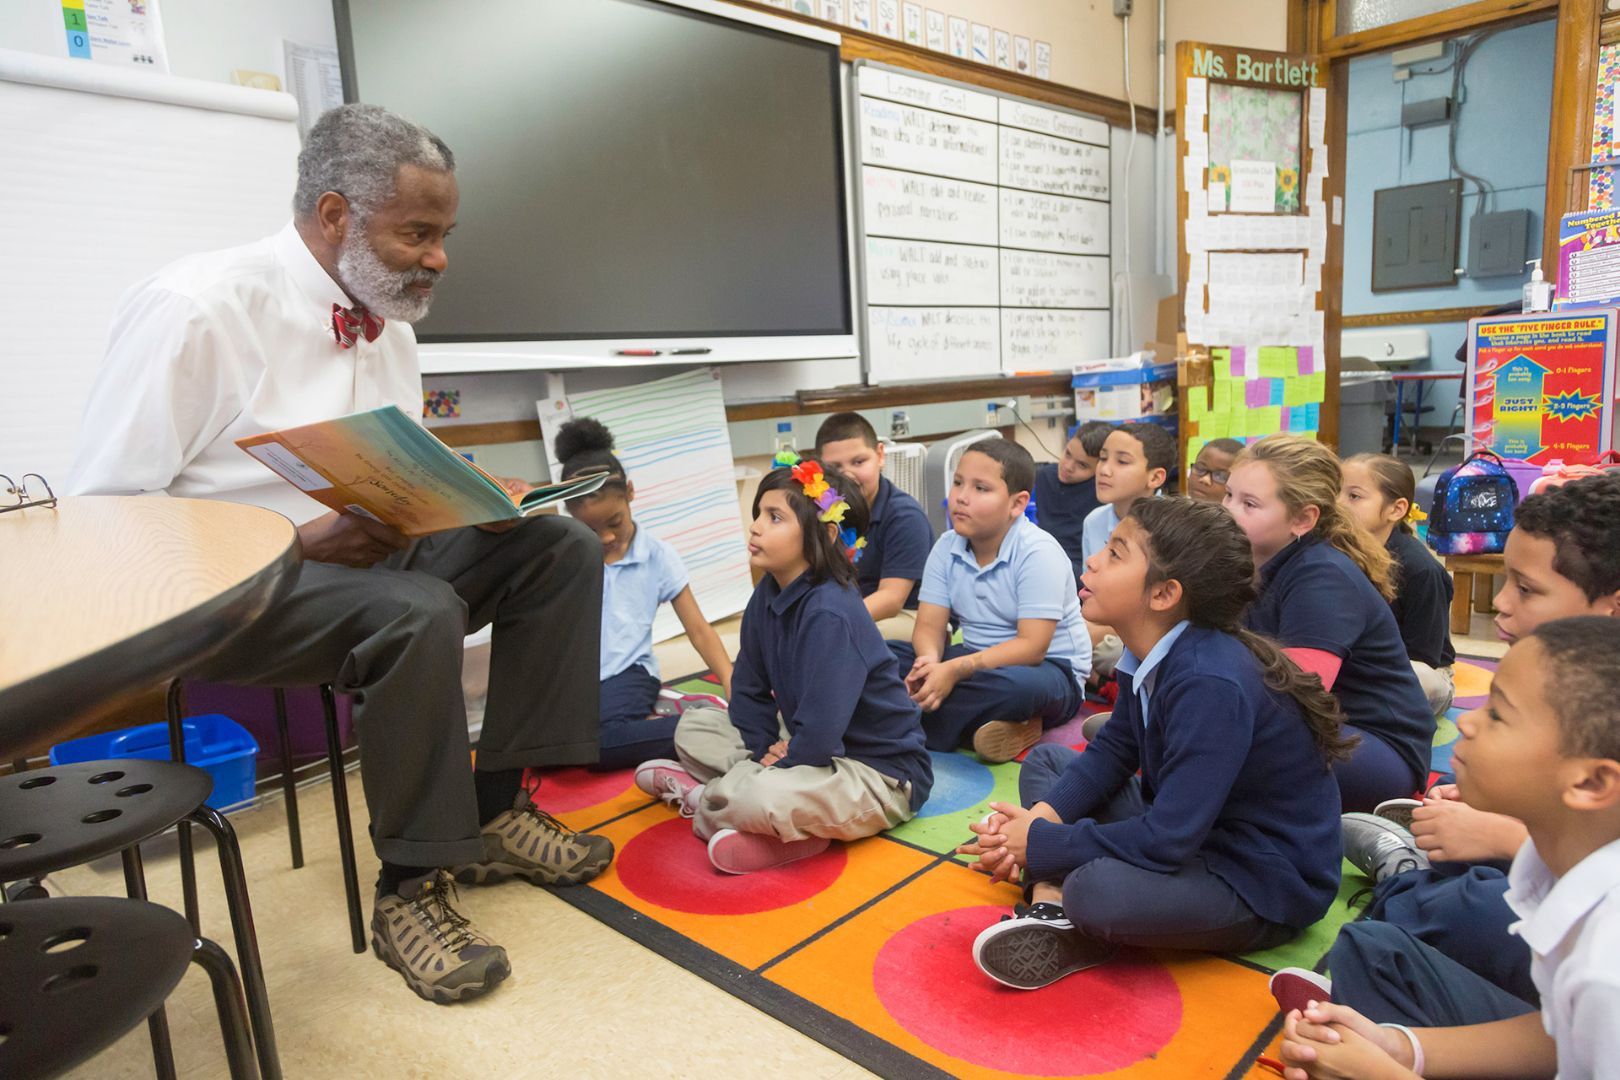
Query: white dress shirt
[
  {"x": 222, "y": 345},
  {"x": 1572, "y": 925}
]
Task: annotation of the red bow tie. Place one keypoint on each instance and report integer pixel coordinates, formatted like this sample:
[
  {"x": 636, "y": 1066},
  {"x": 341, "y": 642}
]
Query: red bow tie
[{"x": 348, "y": 324}]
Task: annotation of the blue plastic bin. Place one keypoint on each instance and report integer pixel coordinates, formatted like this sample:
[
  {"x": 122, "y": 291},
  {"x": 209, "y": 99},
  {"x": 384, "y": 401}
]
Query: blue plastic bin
[{"x": 216, "y": 744}]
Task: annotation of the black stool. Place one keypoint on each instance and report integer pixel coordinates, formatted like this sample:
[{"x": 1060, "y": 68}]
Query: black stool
[
  {"x": 340, "y": 803},
  {"x": 71, "y": 814},
  {"x": 77, "y": 973}
]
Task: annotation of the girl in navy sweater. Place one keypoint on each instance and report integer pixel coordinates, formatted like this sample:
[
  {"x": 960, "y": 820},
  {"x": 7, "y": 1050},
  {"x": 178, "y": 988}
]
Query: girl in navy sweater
[
  {"x": 1325, "y": 588},
  {"x": 1229, "y": 839},
  {"x": 821, "y": 741},
  {"x": 1379, "y": 492}
]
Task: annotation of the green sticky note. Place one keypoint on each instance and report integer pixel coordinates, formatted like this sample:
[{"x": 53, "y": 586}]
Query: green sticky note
[
  {"x": 1197, "y": 405},
  {"x": 1215, "y": 426},
  {"x": 1315, "y": 386},
  {"x": 1264, "y": 421},
  {"x": 1221, "y": 396},
  {"x": 1195, "y": 444},
  {"x": 1294, "y": 391},
  {"x": 1277, "y": 361},
  {"x": 1223, "y": 370}
]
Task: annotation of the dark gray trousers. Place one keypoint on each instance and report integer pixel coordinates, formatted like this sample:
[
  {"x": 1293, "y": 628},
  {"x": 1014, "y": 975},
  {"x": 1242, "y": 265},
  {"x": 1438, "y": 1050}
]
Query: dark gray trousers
[{"x": 391, "y": 637}]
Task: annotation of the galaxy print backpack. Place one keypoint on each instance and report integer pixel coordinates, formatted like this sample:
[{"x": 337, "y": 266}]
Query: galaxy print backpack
[{"x": 1473, "y": 507}]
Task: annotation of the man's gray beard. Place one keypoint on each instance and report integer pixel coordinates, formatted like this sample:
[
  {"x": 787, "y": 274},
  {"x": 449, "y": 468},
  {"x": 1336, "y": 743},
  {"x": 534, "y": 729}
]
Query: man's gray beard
[{"x": 384, "y": 291}]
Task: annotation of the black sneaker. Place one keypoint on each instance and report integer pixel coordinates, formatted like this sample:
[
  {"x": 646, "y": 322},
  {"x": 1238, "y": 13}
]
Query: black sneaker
[
  {"x": 1036, "y": 948},
  {"x": 415, "y": 931}
]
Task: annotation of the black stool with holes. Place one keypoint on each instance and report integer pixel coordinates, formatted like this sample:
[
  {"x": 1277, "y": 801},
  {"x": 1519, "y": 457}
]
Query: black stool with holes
[
  {"x": 71, "y": 814},
  {"x": 82, "y": 971}
]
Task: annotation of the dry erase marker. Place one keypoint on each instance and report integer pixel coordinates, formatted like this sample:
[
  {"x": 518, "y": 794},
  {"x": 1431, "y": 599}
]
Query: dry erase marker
[
  {"x": 690, "y": 352},
  {"x": 638, "y": 352}
]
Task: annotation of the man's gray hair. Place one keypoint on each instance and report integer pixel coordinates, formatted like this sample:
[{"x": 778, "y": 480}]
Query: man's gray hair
[{"x": 357, "y": 151}]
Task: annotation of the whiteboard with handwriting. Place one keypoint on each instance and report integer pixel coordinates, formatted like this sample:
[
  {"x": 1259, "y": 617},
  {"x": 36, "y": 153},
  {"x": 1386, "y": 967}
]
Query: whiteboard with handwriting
[{"x": 984, "y": 231}]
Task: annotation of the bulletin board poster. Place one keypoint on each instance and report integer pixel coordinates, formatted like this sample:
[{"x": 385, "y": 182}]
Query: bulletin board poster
[{"x": 1542, "y": 388}]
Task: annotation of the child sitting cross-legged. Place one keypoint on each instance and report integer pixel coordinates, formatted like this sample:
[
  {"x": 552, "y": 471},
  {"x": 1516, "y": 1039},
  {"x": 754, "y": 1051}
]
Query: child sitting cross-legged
[
  {"x": 1228, "y": 840},
  {"x": 1024, "y": 653},
  {"x": 821, "y": 742},
  {"x": 1545, "y": 749}
]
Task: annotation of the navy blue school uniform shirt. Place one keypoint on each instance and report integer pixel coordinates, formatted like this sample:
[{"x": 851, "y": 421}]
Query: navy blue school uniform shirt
[
  {"x": 1061, "y": 510},
  {"x": 1422, "y": 604},
  {"x": 812, "y": 653},
  {"x": 897, "y": 542},
  {"x": 1230, "y": 774},
  {"x": 1313, "y": 597}
]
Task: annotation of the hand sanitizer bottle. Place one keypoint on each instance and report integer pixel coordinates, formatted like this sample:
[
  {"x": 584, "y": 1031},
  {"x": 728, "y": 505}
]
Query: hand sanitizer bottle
[{"x": 1538, "y": 291}]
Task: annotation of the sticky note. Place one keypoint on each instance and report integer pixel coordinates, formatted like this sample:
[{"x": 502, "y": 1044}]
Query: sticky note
[
  {"x": 1241, "y": 364},
  {"x": 1313, "y": 413},
  {"x": 1311, "y": 360},
  {"x": 1276, "y": 391},
  {"x": 1266, "y": 421},
  {"x": 1220, "y": 397},
  {"x": 1194, "y": 444},
  {"x": 1215, "y": 426},
  {"x": 1197, "y": 403},
  {"x": 1294, "y": 388},
  {"x": 1315, "y": 386},
  {"x": 1277, "y": 361}
]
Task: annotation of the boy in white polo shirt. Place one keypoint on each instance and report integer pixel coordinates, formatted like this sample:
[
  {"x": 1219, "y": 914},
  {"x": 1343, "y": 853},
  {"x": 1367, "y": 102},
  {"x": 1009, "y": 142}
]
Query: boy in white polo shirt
[
  {"x": 1025, "y": 653},
  {"x": 1546, "y": 750}
]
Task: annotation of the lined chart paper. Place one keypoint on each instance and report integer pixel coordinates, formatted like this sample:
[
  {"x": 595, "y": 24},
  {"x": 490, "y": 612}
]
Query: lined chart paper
[{"x": 671, "y": 436}]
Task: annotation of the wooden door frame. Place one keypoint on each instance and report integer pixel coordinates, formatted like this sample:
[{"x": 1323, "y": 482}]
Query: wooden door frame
[{"x": 1569, "y": 141}]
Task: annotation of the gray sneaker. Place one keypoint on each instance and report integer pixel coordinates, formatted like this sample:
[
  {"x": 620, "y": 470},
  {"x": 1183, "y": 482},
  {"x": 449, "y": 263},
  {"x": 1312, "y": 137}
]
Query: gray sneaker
[
  {"x": 528, "y": 843},
  {"x": 1379, "y": 847},
  {"x": 416, "y": 932}
]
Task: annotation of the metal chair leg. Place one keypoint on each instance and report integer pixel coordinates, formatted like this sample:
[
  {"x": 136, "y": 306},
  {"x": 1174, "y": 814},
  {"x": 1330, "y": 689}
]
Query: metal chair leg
[
  {"x": 345, "y": 830},
  {"x": 188, "y": 867},
  {"x": 247, "y": 941},
  {"x": 157, "y": 1025},
  {"x": 289, "y": 782},
  {"x": 228, "y": 1004}
]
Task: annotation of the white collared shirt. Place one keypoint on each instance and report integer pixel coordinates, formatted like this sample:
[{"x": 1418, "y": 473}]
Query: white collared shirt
[
  {"x": 221, "y": 345},
  {"x": 1572, "y": 925},
  {"x": 1144, "y": 672}
]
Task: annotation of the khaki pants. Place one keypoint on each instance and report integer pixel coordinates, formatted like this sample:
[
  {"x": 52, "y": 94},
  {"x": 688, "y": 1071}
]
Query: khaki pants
[
  {"x": 1439, "y": 686},
  {"x": 846, "y": 800},
  {"x": 898, "y": 628}
]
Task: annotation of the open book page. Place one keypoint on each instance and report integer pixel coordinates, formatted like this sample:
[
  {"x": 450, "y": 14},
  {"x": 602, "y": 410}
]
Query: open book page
[{"x": 383, "y": 465}]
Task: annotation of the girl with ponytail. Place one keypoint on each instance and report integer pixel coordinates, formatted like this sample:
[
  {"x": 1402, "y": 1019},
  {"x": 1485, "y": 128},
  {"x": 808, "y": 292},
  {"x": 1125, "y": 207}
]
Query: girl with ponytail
[
  {"x": 1325, "y": 592},
  {"x": 1228, "y": 841}
]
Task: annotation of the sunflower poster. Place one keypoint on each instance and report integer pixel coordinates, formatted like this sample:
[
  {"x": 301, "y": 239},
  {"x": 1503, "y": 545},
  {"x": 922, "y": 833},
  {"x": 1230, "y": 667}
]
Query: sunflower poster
[{"x": 1542, "y": 387}]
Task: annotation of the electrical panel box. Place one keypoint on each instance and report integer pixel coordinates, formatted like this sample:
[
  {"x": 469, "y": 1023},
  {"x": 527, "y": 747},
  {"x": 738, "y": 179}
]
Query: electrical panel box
[
  {"x": 1422, "y": 113},
  {"x": 1496, "y": 243},
  {"x": 1415, "y": 235}
]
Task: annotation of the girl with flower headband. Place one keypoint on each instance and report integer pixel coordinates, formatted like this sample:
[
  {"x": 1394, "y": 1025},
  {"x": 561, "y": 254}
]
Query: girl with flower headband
[
  {"x": 1381, "y": 494},
  {"x": 820, "y": 741},
  {"x": 641, "y": 572}
]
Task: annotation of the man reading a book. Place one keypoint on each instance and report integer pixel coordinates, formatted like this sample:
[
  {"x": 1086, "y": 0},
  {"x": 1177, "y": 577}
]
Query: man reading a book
[{"x": 311, "y": 324}]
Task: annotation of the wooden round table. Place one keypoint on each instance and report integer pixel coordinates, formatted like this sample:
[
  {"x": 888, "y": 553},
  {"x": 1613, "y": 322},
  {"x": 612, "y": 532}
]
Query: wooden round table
[{"x": 103, "y": 596}]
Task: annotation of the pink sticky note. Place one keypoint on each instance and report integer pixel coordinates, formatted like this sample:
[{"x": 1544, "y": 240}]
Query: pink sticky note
[
  {"x": 1240, "y": 362},
  {"x": 1307, "y": 359},
  {"x": 1257, "y": 393}
]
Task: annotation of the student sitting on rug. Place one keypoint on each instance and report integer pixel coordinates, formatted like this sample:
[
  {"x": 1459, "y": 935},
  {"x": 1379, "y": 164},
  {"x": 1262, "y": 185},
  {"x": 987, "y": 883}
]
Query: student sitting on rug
[
  {"x": 1545, "y": 750},
  {"x": 1024, "y": 654},
  {"x": 1066, "y": 491},
  {"x": 1135, "y": 464},
  {"x": 821, "y": 742},
  {"x": 897, "y": 544},
  {"x": 640, "y": 573},
  {"x": 1378, "y": 492},
  {"x": 1206, "y": 478},
  {"x": 1443, "y": 882},
  {"x": 1228, "y": 839},
  {"x": 1325, "y": 588}
]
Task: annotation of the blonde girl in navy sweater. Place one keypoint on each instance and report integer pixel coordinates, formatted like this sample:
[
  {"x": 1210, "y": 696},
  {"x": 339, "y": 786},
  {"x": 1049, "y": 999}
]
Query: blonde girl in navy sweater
[
  {"x": 1229, "y": 839},
  {"x": 821, "y": 741},
  {"x": 1325, "y": 588}
]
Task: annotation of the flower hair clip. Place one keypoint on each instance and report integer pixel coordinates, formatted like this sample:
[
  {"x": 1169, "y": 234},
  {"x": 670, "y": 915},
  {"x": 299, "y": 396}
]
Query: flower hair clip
[{"x": 831, "y": 505}]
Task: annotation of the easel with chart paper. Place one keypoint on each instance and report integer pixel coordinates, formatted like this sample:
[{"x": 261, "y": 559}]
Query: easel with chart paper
[{"x": 1253, "y": 237}]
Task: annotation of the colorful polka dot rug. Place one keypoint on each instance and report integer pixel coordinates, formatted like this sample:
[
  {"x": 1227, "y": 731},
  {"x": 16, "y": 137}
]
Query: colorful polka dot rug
[{"x": 866, "y": 947}]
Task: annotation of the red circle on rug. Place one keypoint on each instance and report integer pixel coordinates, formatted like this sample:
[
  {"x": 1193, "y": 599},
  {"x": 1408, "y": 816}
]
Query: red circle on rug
[
  {"x": 564, "y": 790},
  {"x": 668, "y": 866},
  {"x": 1091, "y": 1022}
]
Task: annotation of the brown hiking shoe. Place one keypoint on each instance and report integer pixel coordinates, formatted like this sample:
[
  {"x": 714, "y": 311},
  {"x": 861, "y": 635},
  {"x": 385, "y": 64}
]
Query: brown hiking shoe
[
  {"x": 416, "y": 932},
  {"x": 529, "y": 843}
]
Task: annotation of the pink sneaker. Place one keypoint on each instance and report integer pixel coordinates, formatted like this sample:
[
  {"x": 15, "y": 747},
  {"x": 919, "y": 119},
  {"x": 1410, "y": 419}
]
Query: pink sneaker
[
  {"x": 743, "y": 853},
  {"x": 1294, "y": 988},
  {"x": 667, "y": 780}
]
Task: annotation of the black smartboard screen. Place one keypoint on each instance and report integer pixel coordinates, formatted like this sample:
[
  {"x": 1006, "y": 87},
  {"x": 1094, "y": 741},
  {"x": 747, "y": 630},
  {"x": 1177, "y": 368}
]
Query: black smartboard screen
[{"x": 628, "y": 169}]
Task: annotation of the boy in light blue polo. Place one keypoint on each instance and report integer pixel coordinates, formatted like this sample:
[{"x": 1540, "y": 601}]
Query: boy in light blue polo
[{"x": 1025, "y": 652}]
